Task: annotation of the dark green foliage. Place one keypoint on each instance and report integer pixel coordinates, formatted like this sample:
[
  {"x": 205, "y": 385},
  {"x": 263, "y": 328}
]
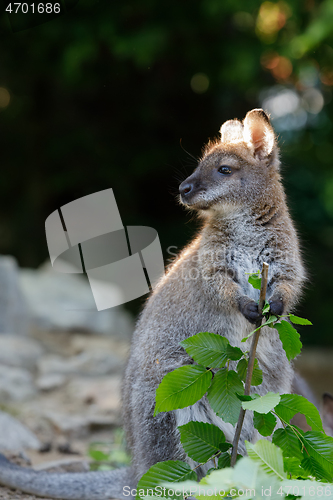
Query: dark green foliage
[
  {"x": 182, "y": 387},
  {"x": 290, "y": 339},
  {"x": 290, "y": 404},
  {"x": 264, "y": 423},
  {"x": 289, "y": 442},
  {"x": 210, "y": 349},
  {"x": 201, "y": 440},
  {"x": 172, "y": 471},
  {"x": 222, "y": 395}
]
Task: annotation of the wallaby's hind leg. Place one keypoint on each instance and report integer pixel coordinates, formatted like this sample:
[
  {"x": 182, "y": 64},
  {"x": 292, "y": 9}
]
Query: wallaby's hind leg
[{"x": 153, "y": 439}]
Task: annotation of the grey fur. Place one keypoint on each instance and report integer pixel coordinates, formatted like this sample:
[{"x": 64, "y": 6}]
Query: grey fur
[
  {"x": 97, "y": 485},
  {"x": 246, "y": 222}
]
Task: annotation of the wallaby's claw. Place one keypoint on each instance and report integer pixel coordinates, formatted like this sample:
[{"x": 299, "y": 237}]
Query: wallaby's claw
[{"x": 276, "y": 307}]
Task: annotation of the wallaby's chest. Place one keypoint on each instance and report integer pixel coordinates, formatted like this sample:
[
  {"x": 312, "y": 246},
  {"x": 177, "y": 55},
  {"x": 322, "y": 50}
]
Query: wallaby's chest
[
  {"x": 242, "y": 261},
  {"x": 243, "y": 256}
]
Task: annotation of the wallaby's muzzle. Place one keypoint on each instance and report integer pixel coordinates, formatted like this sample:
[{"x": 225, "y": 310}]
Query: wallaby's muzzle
[{"x": 189, "y": 188}]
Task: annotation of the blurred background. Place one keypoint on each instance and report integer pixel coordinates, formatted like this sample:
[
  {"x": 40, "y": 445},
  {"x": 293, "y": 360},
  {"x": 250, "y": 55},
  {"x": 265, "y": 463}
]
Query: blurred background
[{"x": 124, "y": 95}]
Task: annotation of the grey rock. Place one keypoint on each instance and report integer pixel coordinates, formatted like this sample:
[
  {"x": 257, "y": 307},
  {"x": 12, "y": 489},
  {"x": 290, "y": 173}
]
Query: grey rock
[
  {"x": 102, "y": 392},
  {"x": 15, "y": 436},
  {"x": 86, "y": 363},
  {"x": 98, "y": 421},
  {"x": 83, "y": 342},
  {"x": 64, "y": 301},
  {"x": 19, "y": 351},
  {"x": 14, "y": 311},
  {"x": 79, "y": 425},
  {"x": 16, "y": 384},
  {"x": 50, "y": 381},
  {"x": 72, "y": 425}
]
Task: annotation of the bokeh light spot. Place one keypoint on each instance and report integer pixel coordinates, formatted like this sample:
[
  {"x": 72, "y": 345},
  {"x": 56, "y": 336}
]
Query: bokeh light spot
[
  {"x": 4, "y": 97},
  {"x": 199, "y": 83},
  {"x": 271, "y": 18},
  {"x": 313, "y": 101},
  {"x": 280, "y": 67},
  {"x": 326, "y": 76}
]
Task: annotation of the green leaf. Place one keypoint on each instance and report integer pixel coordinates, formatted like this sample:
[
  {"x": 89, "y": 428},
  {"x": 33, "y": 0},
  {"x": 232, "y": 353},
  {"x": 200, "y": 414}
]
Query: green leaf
[
  {"x": 225, "y": 446},
  {"x": 262, "y": 404},
  {"x": 270, "y": 320},
  {"x": 320, "y": 447},
  {"x": 182, "y": 387},
  {"x": 200, "y": 440},
  {"x": 264, "y": 423},
  {"x": 222, "y": 395},
  {"x": 220, "y": 479},
  {"x": 255, "y": 280},
  {"x": 268, "y": 455},
  {"x": 171, "y": 471},
  {"x": 187, "y": 485},
  {"x": 210, "y": 349},
  {"x": 299, "y": 321},
  {"x": 290, "y": 339},
  {"x": 293, "y": 466},
  {"x": 256, "y": 375},
  {"x": 224, "y": 460},
  {"x": 290, "y": 404},
  {"x": 98, "y": 455},
  {"x": 242, "y": 397},
  {"x": 246, "y": 473},
  {"x": 288, "y": 441},
  {"x": 266, "y": 307},
  {"x": 313, "y": 468}
]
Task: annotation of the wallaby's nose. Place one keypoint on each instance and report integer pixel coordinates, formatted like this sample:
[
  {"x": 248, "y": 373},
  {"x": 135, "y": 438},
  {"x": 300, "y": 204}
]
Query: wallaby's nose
[{"x": 185, "y": 188}]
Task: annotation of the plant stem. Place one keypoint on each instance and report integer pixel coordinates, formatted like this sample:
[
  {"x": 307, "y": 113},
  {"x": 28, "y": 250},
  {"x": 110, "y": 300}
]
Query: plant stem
[{"x": 252, "y": 357}]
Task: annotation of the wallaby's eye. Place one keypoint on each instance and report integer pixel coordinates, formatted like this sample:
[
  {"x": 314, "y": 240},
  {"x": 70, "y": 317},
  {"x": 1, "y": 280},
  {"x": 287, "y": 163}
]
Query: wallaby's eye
[{"x": 224, "y": 169}]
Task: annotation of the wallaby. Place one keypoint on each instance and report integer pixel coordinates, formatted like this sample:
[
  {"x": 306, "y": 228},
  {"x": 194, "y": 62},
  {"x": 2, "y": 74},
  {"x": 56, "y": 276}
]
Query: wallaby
[{"x": 237, "y": 191}]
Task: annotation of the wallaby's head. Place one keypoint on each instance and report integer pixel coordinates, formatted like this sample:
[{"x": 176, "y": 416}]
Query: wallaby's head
[{"x": 237, "y": 170}]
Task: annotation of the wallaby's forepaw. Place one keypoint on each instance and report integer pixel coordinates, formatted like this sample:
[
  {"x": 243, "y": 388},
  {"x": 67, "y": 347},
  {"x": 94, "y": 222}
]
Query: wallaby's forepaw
[
  {"x": 249, "y": 309},
  {"x": 276, "y": 307}
]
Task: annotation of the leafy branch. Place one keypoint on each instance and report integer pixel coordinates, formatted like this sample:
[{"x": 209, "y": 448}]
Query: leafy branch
[{"x": 252, "y": 356}]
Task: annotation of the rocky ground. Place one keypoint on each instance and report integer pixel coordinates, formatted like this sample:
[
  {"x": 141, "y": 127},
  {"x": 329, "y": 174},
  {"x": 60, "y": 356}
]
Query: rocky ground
[
  {"x": 61, "y": 364},
  {"x": 65, "y": 390}
]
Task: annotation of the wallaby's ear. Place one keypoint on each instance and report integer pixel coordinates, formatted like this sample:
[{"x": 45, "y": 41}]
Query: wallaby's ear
[
  {"x": 258, "y": 133},
  {"x": 328, "y": 413},
  {"x": 231, "y": 131}
]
